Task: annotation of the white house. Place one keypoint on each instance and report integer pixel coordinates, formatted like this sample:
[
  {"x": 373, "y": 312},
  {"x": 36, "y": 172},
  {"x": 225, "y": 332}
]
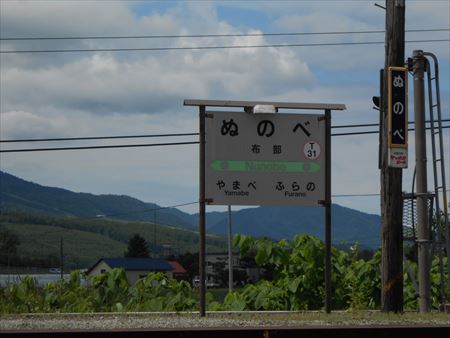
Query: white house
[{"x": 135, "y": 268}]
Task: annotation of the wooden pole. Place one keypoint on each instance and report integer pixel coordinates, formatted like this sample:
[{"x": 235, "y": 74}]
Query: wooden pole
[
  {"x": 61, "y": 258},
  {"x": 391, "y": 178}
]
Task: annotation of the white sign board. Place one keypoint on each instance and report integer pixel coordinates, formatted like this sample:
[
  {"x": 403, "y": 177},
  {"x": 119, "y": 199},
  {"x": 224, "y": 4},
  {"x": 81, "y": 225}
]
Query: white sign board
[
  {"x": 398, "y": 157},
  {"x": 265, "y": 159}
]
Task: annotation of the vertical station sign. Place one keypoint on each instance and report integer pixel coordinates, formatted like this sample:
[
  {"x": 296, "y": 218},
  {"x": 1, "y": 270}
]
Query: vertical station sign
[
  {"x": 265, "y": 159},
  {"x": 398, "y": 117}
]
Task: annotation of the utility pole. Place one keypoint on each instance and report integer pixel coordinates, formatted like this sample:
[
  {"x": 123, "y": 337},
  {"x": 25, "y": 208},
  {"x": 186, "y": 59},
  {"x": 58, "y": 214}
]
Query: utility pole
[
  {"x": 154, "y": 232},
  {"x": 423, "y": 230},
  {"x": 391, "y": 178}
]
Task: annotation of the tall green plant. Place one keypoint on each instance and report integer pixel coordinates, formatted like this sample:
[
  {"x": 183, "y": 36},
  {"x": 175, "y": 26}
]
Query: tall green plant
[
  {"x": 298, "y": 284},
  {"x": 157, "y": 292},
  {"x": 299, "y": 275},
  {"x": 410, "y": 293},
  {"x": 69, "y": 295},
  {"x": 22, "y": 297}
]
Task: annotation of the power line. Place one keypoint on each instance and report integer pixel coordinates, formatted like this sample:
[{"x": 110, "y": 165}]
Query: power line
[
  {"x": 157, "y": 144},
  {"x": 196, "y": 202},
  {"x": 99, "y": 147},
  {"x": 353, "y": 125},
  {"x": 142, "y": 211},
  {"x": 175, "y": 206},
  {"x": 358, "y": 133},
  {"x": 213, "y": 35},
  {"x": 374, "y": 124},
  {"x": 191, "y": 203},
  {"x": 208, "y": 47},
  {"x": 99, "y": 137},
  {"x": 361, "y": 195},
  {"x": 162, "y": 135},
  {"x": 355, "y": 195},
  {"x": 376, "y": 132}
]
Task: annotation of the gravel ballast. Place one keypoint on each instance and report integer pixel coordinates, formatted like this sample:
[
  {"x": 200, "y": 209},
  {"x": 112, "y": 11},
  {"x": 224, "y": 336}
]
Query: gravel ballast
[{"x": 112, "y": 321}]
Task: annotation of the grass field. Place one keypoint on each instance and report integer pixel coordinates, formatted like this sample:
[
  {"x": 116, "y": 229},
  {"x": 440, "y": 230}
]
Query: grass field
[
  {"x": 87, "y": 240},
  {"x": 80, "y": 248}
]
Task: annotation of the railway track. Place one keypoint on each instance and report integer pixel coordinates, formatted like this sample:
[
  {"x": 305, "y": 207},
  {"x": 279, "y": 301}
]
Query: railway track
[
  {"x": 372, "y": 331},
  {"x": 310, "y": 324}
]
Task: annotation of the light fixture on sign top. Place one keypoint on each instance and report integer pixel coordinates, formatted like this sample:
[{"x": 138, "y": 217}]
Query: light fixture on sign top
[{"x": 264, "y": 109}]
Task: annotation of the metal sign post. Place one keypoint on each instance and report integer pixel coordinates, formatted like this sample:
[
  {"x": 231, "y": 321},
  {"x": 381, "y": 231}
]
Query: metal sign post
[
  {"x": 327, "y": 206},
  {"x": 423, "y": 226},
  {"x": 265, "y": 159},
  {"x": 202, "y": 209},
  {"x": 230, "y": 252}
]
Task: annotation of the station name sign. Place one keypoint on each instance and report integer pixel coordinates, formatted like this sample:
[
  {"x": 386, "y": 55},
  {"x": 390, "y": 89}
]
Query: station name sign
[
  {"x": 398, "y": 117},
  {"x": 264, "y": 159}
]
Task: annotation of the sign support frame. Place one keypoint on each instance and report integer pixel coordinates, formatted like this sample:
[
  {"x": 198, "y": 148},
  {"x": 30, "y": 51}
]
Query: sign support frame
[
  {"x": 202, "y": 212},
  {"x": 202, "y": 104},
  {"x": 327, "y": 205}
]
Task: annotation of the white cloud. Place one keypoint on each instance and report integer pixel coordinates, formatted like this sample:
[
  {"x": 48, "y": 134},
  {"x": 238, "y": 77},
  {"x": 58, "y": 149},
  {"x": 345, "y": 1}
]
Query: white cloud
[
  {"x": 65, "y": 18},
  {"x": 17, "y": 124},
  {"x": 73, "y": 94},
  {"x": 153, "y": 84}
]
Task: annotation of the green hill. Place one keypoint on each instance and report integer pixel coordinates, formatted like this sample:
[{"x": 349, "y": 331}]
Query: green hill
[
  {"x": 87, "y": 240},
  {"x": 348, "y": 225},
  {"x": 18, "y": 194}
]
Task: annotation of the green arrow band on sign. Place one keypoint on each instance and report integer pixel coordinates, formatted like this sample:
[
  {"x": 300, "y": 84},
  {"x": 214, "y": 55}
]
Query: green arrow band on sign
[{"x": 265, "y": 166}]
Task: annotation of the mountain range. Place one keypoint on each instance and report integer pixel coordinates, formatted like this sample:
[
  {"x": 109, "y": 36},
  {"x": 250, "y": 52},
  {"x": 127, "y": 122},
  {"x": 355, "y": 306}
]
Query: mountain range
[{"x": 348, "y": 225}]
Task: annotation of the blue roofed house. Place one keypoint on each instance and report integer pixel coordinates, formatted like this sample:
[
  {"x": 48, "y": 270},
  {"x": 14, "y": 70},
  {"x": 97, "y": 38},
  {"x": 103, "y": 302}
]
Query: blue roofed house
[{"x": 135, "y": 268}]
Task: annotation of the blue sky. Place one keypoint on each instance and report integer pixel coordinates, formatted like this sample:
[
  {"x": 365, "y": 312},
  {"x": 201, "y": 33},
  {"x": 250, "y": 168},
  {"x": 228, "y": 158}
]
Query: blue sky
[{"x": 106, "y": 93}]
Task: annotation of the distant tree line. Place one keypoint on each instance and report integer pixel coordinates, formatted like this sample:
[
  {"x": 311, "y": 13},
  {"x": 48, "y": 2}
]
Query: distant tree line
[{"x": 9, "y": 254}]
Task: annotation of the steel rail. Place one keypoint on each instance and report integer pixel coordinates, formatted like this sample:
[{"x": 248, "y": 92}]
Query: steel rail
[{"x": 366, "y": 331}]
